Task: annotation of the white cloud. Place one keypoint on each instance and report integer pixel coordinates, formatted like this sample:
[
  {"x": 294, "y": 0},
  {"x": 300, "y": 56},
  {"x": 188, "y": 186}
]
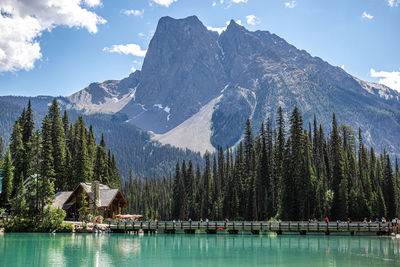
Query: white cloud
[
  {"x": 390, "y": 79},
  {"x": 252, "y": 20},
  {"x": 393, "y": 3},
  {"x": 23, "y": 21},
  {"x": 92, "y": 3},
  {"x": 128, "y": 49},
  {"x": 134, "y": 12},
  {"x": 228, "y": 3},
  {"x": 216, "y": 29},
  {"x": 214, "y": 3},
  {"x": 165, "y": 3},
  {"x": 290, "y": 4},
  {"x": 365, "y": 15}
]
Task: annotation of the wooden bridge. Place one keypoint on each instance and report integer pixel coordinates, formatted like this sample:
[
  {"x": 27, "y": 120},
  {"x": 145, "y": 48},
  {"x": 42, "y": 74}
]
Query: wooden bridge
[{"x": 256, "y": 228}]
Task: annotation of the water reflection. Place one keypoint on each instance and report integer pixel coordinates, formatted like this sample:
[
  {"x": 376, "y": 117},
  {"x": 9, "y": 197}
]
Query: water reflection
[{"x": 187, "y": 250}]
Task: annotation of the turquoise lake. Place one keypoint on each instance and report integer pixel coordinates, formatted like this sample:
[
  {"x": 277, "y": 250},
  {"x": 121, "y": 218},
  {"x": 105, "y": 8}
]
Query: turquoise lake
[{"x": 196, "y": 250}]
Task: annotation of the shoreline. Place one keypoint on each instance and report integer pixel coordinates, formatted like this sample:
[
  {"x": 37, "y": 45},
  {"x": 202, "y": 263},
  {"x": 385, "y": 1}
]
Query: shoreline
[{"x": 234, "y": 228}]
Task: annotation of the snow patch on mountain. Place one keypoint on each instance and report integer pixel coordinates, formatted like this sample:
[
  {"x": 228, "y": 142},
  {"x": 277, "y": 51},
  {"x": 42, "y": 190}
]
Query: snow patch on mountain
[
  {"x": 133, "y": 94},
  {"x": 194, "y": 133},
  {"x": 165, "y": 109}
]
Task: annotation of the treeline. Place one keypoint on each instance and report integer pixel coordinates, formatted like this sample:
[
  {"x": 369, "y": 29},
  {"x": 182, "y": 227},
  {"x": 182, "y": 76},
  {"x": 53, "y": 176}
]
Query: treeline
[
  {"x": 286, "y": 173},
  {"x": 133, "y": 148},
  {"x": 39, "y": 163}
]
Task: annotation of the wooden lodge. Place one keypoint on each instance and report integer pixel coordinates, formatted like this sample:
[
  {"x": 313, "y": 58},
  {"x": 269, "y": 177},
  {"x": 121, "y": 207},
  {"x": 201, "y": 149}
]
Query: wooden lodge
[{"x": 110, "y": 201}]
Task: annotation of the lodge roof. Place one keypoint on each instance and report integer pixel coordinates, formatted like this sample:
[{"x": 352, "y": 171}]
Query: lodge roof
[
  {"x": 106, "y": 195},
  {"x": 60, "y": 198}
]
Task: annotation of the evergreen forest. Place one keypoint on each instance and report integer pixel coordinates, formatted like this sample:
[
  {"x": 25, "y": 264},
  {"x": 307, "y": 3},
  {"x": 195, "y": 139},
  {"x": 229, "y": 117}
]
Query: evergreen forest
[
  {"x": 59, "y": 156},
  {"x": 286, "y": 172}
]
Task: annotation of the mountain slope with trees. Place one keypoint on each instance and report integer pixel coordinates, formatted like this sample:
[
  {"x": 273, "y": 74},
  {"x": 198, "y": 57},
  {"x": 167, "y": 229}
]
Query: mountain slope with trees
[
  {"x": 288, "y": 173},
  {"x": 134, "y": 147}
]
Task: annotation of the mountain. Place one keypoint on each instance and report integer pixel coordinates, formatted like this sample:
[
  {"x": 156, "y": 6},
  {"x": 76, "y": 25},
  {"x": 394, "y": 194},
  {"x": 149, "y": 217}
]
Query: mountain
[
  {"x": 197, "y": 87},
  {"x": 133, "y": 148}
]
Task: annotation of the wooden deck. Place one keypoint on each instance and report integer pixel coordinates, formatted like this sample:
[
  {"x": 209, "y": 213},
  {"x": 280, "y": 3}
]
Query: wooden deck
[{"x": 301, "y": 228}]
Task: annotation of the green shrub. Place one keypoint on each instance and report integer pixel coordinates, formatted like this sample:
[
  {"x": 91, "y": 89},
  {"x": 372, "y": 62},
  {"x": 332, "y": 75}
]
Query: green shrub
[
  {"x": 65, "y": 228},
  {"x": 18, "y": 224},
  {"x": 52, "y": 219}
]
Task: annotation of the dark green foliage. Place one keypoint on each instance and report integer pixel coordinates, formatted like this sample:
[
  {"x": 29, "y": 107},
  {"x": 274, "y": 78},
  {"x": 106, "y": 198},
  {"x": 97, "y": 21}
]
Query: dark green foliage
[
  {"x": 100, "y": 171},
  {"x": 7, "y": 171},
  {"x": 47, "y": 172},
  {"x": 289, "y": 175},
  {"x": 58, "y": 144},
  {"x": 40, "y": 163},
  {"x": 338, "y": 183},
  {"x": 52, "y": 222},
  {"x": 17, "y": 154}
]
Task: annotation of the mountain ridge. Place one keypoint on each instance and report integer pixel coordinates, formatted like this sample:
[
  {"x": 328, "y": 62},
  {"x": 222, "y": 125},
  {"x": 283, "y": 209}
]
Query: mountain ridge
[{"x": 252, "y": 73}]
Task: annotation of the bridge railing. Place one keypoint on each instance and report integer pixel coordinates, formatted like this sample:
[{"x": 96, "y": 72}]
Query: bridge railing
[{"x": 257, "y": 225}]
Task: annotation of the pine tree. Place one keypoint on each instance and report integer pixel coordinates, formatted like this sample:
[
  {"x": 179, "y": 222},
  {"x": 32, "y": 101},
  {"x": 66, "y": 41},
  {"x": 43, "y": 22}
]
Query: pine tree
[
  {"x": 100, "y": 170},
  {"x": 177, "y": 195},
  {"x": 58, "y": 145},
  {"x": 339, "y": 185},
  {"x": 91, "y": 148},
  {"x": 115, "y": 181},
  {"x": 7, "y": 171},
  {"x": 80, "y": 159},
  {"x": 397, "y": 186},
  {"x": 287, "y": 196},
  {"x": 66, "y": 122},
  {"x": 17, "y": 154},
  {"x": 37, "y": 162},
  {"x": 205, "y": 192},
  {"x": 189, "y": 187},
  {"x": 297, "y": 164},
  {"x": 279, "y": 155},
  {"x": 27, "y": 125},
  {"x": 47, "y": 174},
  {"x": 389, "y": 189}
]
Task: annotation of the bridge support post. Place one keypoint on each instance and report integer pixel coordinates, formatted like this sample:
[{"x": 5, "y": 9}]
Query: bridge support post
[
  {"x": 211, "y": 231},
  {"x": 190, "y": 231},
  {"x": 233, "y": 231},
  {"x": 255, "y": 232}
]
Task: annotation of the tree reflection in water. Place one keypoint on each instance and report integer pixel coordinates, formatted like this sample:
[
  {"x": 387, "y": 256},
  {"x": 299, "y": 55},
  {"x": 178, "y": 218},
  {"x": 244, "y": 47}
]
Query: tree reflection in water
[{"x": 199, "y": 249}]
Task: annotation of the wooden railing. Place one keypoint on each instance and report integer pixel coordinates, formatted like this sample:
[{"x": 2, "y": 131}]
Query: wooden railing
[{"x": 256, "y": 227}]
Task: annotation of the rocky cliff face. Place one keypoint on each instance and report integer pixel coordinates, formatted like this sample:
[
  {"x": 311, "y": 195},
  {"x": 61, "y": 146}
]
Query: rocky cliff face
[
  {"x": 108, "y": 97},
  {"x": 191, "y": 74}
]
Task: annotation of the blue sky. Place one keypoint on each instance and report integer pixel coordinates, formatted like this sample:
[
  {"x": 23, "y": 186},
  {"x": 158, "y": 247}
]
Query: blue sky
[{"x": 60, "y": 49}]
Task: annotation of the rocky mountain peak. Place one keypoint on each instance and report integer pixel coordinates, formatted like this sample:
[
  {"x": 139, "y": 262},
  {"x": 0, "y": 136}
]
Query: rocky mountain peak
[
  {"x": 191, "y": 74},
  {"x": 234, "y": 26}
]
